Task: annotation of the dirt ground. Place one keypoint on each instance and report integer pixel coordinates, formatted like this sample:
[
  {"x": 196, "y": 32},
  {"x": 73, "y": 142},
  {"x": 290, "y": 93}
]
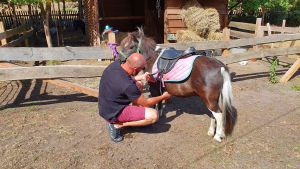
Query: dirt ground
[{"x": 62, "y": 129}]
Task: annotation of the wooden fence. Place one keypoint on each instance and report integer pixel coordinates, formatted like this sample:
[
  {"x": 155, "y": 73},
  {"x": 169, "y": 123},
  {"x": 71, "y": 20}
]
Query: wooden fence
[
  {"x": 35, "y": 19},
  {"x": 77, "y": 53},
  {"x": 248, "y": 30},
  {"x": 23, "y": 32}
]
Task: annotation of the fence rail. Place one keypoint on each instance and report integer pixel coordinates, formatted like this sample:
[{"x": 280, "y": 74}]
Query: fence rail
[{"x": 35, "y": 19}]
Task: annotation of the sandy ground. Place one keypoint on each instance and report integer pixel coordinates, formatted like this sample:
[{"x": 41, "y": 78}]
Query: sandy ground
[{"x": 62, "y": 129}]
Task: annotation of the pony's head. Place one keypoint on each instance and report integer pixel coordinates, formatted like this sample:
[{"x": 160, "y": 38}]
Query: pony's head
[{"x": 137, "y": 42}]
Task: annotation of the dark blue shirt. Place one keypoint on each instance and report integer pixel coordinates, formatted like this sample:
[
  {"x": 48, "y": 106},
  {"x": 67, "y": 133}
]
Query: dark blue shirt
[{"x": 116, "y": 90}]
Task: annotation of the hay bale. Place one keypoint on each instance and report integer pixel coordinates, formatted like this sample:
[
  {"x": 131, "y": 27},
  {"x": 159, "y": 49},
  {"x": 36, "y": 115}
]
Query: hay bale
[
  {"x": 187, "y": 36},
  {"x": 215, "y": 36},
  {"x": 200, "y": 20},
  {"x": 214, "y": 19}
]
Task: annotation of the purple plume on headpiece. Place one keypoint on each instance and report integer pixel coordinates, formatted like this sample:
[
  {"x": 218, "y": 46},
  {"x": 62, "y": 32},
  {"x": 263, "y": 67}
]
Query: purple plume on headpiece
[{"x": 113, "y": 47}]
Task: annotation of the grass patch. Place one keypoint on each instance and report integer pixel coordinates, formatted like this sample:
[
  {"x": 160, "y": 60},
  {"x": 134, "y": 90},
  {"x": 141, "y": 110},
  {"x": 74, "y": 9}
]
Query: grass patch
[
  {"x": 53, "y": 62},
  {"x": 296, "y": 87}
]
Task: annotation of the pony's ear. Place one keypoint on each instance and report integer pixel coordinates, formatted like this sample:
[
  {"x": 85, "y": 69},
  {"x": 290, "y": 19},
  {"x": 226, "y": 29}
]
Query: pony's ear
[{"x": 141, "y": 31}]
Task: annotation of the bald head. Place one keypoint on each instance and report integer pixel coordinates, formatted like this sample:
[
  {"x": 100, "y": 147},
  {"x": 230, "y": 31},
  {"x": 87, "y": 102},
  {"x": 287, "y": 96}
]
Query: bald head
[{"x": 136, "y": 60}]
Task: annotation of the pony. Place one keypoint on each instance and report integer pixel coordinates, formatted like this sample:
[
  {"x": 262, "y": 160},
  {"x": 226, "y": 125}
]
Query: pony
[{"x": 209, "y": 79}]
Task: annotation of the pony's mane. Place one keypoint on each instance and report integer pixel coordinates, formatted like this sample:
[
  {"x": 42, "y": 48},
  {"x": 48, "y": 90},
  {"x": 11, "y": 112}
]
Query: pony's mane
[{"x": 147, "y": 44}]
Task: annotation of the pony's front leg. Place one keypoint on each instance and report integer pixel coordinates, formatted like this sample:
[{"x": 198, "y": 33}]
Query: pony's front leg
[
  {"x": 220, "y": 126},
  {"x": 212, "y": 127}
]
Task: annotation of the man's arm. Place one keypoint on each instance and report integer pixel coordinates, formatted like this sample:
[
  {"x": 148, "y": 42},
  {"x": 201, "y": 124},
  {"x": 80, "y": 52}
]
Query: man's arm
[
  {"x": 141, "y": 77},
  {"x": 142, "y": 101}
]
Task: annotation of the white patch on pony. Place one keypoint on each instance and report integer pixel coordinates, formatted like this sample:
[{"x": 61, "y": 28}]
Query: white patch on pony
[
  {"x": 220, "y": 126},
  {"x": 157, "y": 48},
  {"x": 212, "y": 127}
]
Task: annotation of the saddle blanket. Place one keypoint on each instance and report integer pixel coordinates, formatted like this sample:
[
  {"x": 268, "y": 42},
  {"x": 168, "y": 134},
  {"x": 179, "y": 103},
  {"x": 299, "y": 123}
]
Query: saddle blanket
[{"x": 181, "y": 70}]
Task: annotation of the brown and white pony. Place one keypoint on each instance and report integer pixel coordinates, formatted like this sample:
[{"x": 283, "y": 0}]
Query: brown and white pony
[{"x": 209, "y": 79}]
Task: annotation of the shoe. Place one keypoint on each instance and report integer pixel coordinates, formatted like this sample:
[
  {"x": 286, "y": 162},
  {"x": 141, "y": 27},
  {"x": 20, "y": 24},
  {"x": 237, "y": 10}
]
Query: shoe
[{"x": 115, "y": 134}]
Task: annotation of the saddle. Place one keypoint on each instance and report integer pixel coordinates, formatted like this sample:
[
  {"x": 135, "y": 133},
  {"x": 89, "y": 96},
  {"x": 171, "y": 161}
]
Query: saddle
[{"x": 170, "y": 56}]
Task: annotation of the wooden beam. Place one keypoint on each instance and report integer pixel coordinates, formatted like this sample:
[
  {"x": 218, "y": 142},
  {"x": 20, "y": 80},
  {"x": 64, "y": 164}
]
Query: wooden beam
[
  {"x": 21, "y": 39},
  {"x": 50, "y": 72},
  {"x": 242, "y": 25},
  {"x": 54, "y": 53},
  {"x": 75, "y": 87},
  {"x": 232, "y": 43},
  {"x": 61, "y": 83},
  {"x": 14, "y": 31},
  {"x": 2, "y": 29},
  {"x": 260, "y": 53},
  {"x": 281, "y": 29},
  {"x": 286, "y": 77},
  {"x": 239, "y": 34}
]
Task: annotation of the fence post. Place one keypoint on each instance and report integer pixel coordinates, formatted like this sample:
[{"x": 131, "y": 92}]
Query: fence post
[
  {"x": 258, "y": 33},
  {"x": 270, "y": 33},
  {"x": 2, "y": 29},
  {"x": 112, "y": 39},
  {"x": 226, "y": 37}
]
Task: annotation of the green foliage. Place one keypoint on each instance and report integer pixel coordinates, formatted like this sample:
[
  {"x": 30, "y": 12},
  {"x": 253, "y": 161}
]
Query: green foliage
[
  {"x": 24, "y": 2},
  {"x": 252, "y": 6},
  {"x": 296, "y": 87},
  {"x": 273, "y": 75}
]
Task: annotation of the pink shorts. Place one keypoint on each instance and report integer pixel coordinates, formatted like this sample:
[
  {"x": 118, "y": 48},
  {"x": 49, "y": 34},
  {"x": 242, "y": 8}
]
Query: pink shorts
[{"x": 131, "y": 113}]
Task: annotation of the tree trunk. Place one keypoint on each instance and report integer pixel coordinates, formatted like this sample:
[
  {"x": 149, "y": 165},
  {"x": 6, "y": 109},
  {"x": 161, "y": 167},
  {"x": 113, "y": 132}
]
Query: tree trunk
[
  {"x": 60, "y": 30},
  {"x": 46, "y": 21},
  {"x": 64, "y": 9},
  {"x": 13, "y": 7},
  {"x": 92, "y": 20},
  {"x": 80, "y": 10}
]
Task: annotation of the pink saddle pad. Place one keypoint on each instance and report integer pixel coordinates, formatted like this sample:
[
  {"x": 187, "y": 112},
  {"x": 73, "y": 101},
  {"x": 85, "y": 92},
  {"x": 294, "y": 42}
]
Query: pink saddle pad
[{"x": 181, "y": 70}]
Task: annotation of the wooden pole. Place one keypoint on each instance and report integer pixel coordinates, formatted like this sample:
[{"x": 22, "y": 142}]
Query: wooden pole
[
  {"x": 270, "y": 33},
  {"x": 286, "y": 77},
  {"x": 226, "y": 37},
  {"x": 2, "y": 29},
  {"x": 258, "y": 33}
]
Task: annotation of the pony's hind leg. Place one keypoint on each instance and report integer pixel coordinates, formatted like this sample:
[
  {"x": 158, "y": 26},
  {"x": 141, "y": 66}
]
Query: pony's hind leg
[
  {"x": 220, "y": 132},
  {"x": 212, "y": 127}
]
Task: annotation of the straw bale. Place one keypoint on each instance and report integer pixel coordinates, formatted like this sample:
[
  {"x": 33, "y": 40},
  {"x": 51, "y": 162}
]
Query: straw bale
[
  {"x": 215, "y": 36},
  {"x": 187, "y": 36},
  {"x": 214, "y": 19},
  {"x": 200, "y": 20}
]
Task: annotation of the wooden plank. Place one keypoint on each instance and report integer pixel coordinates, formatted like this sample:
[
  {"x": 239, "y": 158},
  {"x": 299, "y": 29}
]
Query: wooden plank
[
  {"x": 239, "y": 34},
  {"x": 21, "y": 39},
  {"x": 12, "y": 32},
  {"x": 286, "y": 77},
  {"x": 2, "y": 29},
  {"x": 285, "y": 29},
  {"x": 170, "y": 11},
  {"x": 174, "y": 17},
  {"x": 62, "y": 83},
  {"x": 75, "y": 87},
  {"x": 176, "y": 23},
  {"x": 122, "y": 18},
  {"x": 259, "y": 53},
  {"x": 242, "y": 25},
  {"x": 50, "y": 72},
  {"x": 174, "y": 30},
  {"x": 54, "y": 53},
  {"x": 232, "y": 43}
]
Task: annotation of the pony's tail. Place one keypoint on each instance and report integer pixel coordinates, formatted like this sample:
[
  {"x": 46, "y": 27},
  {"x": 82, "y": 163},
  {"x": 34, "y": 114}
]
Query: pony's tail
[{"x": 226, "y": 97}]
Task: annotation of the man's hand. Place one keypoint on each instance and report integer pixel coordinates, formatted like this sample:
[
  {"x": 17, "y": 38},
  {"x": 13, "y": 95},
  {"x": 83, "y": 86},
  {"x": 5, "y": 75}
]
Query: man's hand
[
  {"x": 140, "y": 85},
  {"x": 166, "y": 95}
]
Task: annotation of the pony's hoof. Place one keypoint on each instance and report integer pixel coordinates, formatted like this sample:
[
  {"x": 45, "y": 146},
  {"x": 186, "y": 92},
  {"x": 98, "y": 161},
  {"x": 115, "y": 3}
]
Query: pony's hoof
[
  {"x": 211, "y": 133},
  {"x": 218, "y": 138}
]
